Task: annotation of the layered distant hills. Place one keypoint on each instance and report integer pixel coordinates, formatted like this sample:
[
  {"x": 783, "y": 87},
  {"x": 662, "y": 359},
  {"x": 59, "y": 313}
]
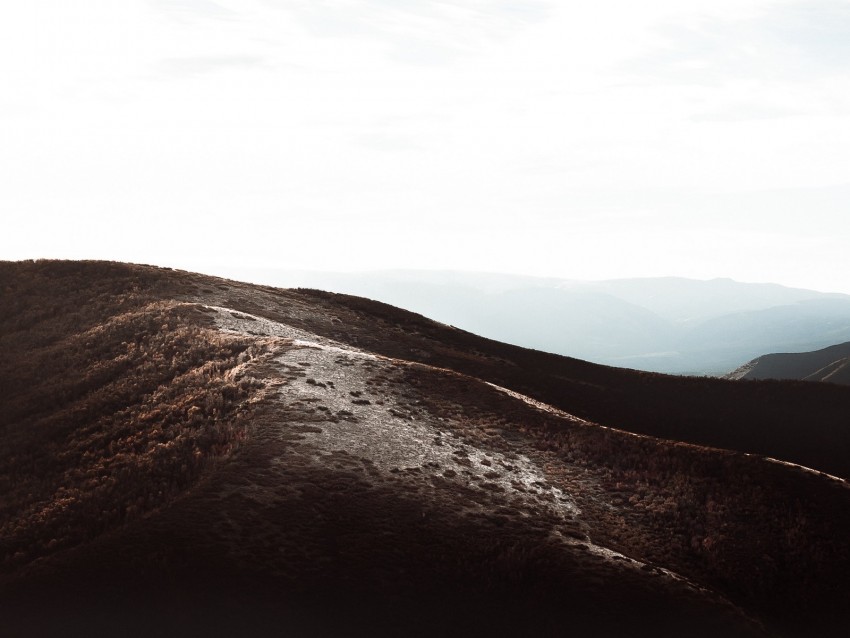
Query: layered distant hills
[
  {"x": 671, "y": 325},
  {"x": 185, "y": 455},
  {"x": 829, "y": 364}
]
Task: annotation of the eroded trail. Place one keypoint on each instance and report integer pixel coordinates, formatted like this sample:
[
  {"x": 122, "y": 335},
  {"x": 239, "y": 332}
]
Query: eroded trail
[{"x": 345, "y": 403}]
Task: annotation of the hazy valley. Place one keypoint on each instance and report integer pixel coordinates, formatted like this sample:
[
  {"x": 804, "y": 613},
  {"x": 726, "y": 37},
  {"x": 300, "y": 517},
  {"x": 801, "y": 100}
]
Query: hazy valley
[{"x": 671, "y": 325}]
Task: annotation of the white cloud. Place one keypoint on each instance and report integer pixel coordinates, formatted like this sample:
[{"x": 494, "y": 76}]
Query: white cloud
[{"x": 572, "y": 139}]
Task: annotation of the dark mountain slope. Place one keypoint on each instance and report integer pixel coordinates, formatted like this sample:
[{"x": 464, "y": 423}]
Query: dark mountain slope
[
  {"x": 340, "y": 487},
  {"x": 799, "y": 422},
  {"x": 829, "y": 364},
  {"x": 113, "y": 398},
  {"x": 835, "y": 372}
]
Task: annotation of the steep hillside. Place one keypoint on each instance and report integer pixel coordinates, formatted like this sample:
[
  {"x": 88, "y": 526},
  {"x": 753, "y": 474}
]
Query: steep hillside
[
  {"x": 830, "y": 364},
  {"x": 188, "y": 455}
]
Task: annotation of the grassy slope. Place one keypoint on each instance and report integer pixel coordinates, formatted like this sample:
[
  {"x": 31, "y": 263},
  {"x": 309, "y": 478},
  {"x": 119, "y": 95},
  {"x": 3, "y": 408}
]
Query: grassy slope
[
  {"x": 770, "y": 538},
  {"x": 113, "y": 399},
  {"x": 279, "y": 539},
  {"x": 828, "y": 364}
]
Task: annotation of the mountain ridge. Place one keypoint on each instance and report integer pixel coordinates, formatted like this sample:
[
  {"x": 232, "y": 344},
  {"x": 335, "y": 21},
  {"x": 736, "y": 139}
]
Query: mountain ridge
[
  {"x": 359, "y": 469},
  {"x": 655, "y": 324},
  {"x": 830, "y": 364}
]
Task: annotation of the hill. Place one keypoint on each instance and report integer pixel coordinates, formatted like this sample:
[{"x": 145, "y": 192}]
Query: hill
[
  {"x": 669, "y": 324},
  {"x": 183, "y": 454},
  {"x": 829, "y": 364}
]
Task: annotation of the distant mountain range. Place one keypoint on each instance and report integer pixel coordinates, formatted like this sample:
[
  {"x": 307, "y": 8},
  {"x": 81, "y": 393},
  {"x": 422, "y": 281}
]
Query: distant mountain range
[
  {"x": 829, "y": 364},
  {"x": 671, "y": 325}
]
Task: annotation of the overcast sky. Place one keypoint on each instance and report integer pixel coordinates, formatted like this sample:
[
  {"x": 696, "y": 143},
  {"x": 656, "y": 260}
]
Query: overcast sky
[{"x": 586, "y": 140}]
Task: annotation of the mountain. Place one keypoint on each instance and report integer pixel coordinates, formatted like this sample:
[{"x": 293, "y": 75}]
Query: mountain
[
  {"x": 693, "y": 301},
  {"x": 829, "y": 364},
  {"x": 187, "y": 455},
  {"x": 670, "y": 324}
]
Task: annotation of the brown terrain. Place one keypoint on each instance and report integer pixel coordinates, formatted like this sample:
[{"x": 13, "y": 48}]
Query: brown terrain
[
  {"x": 830, "y": 365},
  {"x": 186, "y": 455}
]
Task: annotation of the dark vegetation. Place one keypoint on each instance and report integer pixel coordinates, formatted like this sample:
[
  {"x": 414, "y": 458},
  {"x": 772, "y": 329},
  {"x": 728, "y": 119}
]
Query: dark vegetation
[
  {"x": 149, "y": 481},
  {"x": 345, "y": 551},
  {"x": 700, "y": 512},
  {"x": 112, "y": 402}
]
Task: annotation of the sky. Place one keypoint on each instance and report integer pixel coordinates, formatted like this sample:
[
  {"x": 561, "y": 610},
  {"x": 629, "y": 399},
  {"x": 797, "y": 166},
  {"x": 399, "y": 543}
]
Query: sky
[{"x": 583, "y": 140}]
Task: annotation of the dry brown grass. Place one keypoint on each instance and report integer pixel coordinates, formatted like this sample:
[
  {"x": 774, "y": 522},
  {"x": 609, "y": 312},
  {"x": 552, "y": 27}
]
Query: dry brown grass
[
  {"x": 117, "y": 393},
  {"x": 112, "y": 403}
]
